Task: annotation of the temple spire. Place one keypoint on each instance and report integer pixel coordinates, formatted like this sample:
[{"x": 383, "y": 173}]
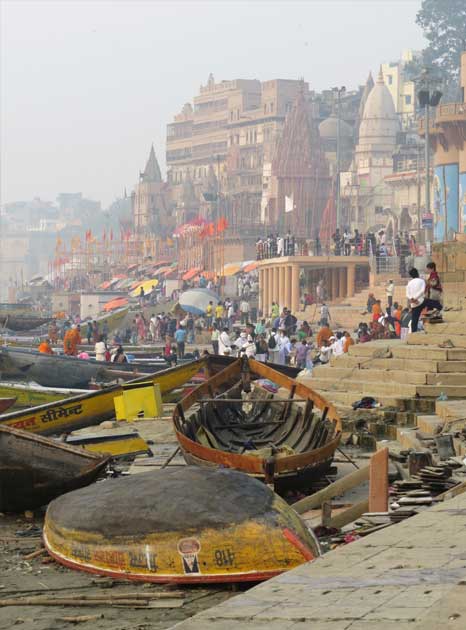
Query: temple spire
[{"x": 152, "y": 171}]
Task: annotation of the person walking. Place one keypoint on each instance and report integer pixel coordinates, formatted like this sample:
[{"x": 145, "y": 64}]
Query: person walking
[
  {"x": 89, "y": 332},
  {"x": 180, "y": 338},
  {"x": 416, "y": 294},
  {"x": 324, "y": 315},
  {"x": 100, "y": 349}
]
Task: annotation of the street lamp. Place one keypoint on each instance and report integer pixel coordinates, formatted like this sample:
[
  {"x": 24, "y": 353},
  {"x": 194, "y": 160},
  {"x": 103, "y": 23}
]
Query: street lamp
[
  {"x": 428, "y": 97},
  {"x": 338, "y": 91}
]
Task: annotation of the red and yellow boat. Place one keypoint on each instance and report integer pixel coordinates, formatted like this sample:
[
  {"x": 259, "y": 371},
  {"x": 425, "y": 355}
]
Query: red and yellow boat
[{"x": 182, "y": 525}]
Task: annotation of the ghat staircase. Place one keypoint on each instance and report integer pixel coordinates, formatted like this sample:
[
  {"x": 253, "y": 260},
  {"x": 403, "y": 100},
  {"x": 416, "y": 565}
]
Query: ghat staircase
[{"x": 405, "y": 378}]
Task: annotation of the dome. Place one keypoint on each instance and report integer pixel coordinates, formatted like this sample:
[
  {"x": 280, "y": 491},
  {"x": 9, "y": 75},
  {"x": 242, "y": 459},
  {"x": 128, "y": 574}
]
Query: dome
[
  {"x": 328, "y": 128},
  {"x": 379, "y": 119}
]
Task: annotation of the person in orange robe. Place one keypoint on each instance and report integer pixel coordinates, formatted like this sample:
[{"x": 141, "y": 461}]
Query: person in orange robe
[
  {"x": 71, "y": 341},
  {"x": 376, "y": 311},
  {"x": 45, "y": 347},
  {"x": 324, "y": 334},
  {"x": 349, "y": 341},
  {"x": 396, "y": 314}
]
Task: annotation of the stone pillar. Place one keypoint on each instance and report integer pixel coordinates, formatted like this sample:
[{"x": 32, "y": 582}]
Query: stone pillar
[
  {"x": 342, "y": 283},
  {"x": 335, "y": 283},
  {"x": 270, "y": 289},
  {"x": 288, "y": 284},
  {"x": 265, "y": 302},
  {"x": 294, "y": 305},
  {"x": 351, "y": 280},
  {"x": 281, "y": 287},
  {"x": 261, "y": 290},
  {"x": 275, "y": 285}
]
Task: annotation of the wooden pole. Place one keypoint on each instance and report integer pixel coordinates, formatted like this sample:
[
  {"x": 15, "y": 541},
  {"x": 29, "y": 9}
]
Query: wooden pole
[
  {"x": 378, "y": 482},
  {"x": 334, "y": 489}
]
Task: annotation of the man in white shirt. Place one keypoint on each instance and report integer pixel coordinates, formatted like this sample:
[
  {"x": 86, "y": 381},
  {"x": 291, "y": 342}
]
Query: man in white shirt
[
  {"x": 224, "y": 342},
  {"x": 416, "y": 294},
  {"x": 244, "y": 310}
]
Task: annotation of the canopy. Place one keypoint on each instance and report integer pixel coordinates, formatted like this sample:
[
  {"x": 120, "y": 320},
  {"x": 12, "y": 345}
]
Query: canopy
[
  {"x": 249, "y": 265},
  {"x": 146, "y": 285},
  {"x": 195, "y": 301},
  {"x": 231, "y": 268},
  {"x": 191, "y": 273},
  {"x": 115, "y": 303}
]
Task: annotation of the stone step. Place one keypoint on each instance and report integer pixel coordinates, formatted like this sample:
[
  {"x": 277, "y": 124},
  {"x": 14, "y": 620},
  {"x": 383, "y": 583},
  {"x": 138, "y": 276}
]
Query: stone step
[
  {"x": 451, "y": 366},
  {"x": 430, "y": 339},
  {"x": 432, "y": 424},
  {"x": 403, "y": 351},
  {"x": 408, "y": 440},
  {"x": 373, "y": 375},
  {"x": 433, "y": 391},
  {"x": 375, "y": 349},
  {"x": 450, "y": 409},
  {"x": 447, "y": 328},
  {"x": 446, "y": 378},
  {"x": 364, "y": 388},
  {"x": 417, "y": 365}
]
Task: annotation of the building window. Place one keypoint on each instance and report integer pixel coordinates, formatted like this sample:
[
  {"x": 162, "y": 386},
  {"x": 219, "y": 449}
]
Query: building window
[
  {"x": 271, "y": 107},
  {"x": 389, "y": 79},
  {"x": 287, "y": 107},
  {"x": 408, "y": 99}
]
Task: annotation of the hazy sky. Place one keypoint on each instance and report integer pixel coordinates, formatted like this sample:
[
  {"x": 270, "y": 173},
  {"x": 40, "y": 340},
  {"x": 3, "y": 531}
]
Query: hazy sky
[{"x": 87, "y": 86}]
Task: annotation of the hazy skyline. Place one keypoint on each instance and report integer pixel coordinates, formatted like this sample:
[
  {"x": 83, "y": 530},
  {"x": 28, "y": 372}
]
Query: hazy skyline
[{"x": 86, "y": 87}]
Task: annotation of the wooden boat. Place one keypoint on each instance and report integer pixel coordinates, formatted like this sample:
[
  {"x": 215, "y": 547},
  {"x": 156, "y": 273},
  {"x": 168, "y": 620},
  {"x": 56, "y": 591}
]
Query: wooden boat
[
  {"x": 182, "y": 525},
  {"x": 92, "y": 407},
  {"x": 113, "y": 319},
  {"x": 34, "y": 469},
  {"x": 19, "y": 323},
  {"x": 53, "y": 370},
  {"x": 233, "y": 421},
  {"x": 30, "y": 395},
  {"x": 6, "y": 403}
]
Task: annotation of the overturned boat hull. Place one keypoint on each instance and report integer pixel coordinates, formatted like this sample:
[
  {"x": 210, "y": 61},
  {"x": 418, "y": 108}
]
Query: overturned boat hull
[{"x": 177, "y": 530}]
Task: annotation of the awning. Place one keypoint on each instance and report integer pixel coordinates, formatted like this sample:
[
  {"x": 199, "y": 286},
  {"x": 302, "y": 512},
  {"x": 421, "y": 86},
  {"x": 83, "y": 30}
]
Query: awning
[
  {"x": 249, "y": 265},
  {"x": 146, "y": 285},
  {"x": 192, "y": 273},
  {"x": 115, "y": 303},
  {"x": 105, "y": 285},
  {"x": 231, "y": 268}
]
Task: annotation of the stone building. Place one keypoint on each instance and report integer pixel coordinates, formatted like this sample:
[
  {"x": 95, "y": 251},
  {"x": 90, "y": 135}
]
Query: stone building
[
  {"x": 368, "y": 194},
  {"x": 149, "y": 200}
]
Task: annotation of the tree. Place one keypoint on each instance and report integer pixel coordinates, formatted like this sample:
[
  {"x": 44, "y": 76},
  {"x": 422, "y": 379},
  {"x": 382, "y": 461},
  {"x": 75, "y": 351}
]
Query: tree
[{"x": 444, "y": 25}]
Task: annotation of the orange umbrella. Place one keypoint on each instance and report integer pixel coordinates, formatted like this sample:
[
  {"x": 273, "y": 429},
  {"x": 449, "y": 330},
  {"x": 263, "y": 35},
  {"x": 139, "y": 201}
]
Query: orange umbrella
[{"x": 115, "y": 303}]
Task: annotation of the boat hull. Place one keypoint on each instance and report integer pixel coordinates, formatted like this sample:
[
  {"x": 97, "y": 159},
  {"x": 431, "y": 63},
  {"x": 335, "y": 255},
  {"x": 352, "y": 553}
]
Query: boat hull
[
  {"x": 6, "y": 403},
  {"x": 93, "y": 407},
  {"x": 35, "y": 470},
  {"x": 285, "y": 471},
  {"x": 32, "y": 395},
  {"x": 63, "y": 371},
  {"x": 178, "y": 531},
  {"x": 19, "y": 323}
]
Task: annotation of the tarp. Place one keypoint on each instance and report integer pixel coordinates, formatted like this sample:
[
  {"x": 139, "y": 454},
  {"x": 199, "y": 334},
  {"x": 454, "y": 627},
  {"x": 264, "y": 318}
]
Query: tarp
[
  {"x": 195, "y": 301},
  {"x": 115, "y": 303},
  {"x": 192, "y": 273},
  {"x": 249, "y": 265},
  {"x": 146, "y": 285},
  {"x": 231, "y": 268}
]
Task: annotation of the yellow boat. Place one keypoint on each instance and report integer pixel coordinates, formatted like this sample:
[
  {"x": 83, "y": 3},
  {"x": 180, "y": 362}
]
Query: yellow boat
[
  {"x": 28, "y": 395},
  {"x": 92, "y": 407},
  {"x": 182, "y": 525},
  {"x": 113, "y": 319}
]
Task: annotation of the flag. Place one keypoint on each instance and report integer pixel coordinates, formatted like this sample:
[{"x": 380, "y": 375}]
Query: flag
[{"x": 289, "y": 205}]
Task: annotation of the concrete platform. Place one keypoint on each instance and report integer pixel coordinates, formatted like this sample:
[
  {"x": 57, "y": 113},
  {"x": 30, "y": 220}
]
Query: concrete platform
[{"x": 411, "y": 576}]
